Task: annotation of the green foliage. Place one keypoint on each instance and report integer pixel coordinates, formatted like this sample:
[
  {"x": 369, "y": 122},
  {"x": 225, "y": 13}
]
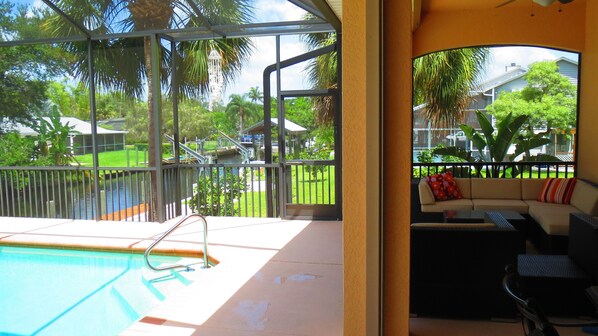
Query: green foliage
[
  {"x": 548, "y": 100},
  {"x": 497, "y": 142},
  {"x": 25, "y": 70},
  {"x": 255, "y": 95},
  {"x": 300, "y": 111},
  {"x": 217, "y": 192},
  {"x": 16, "y": 151},
  {"x": 53, "y": 138},
  {"x": 443, "y": 81},
  {"x": 243, "y": 110}
]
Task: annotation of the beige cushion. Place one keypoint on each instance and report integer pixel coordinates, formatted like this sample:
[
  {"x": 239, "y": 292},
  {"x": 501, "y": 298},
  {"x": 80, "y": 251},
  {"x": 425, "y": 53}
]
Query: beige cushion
[
  {"x": 553, "y": 218},
  {"x": 455, "y": 225},
  {"x": 425, "y": 192},
  {"x": 464, "y": 185},
  {"x": 585, "y": 198},
  {"x": 553, "y": 224},
  {"x": 499, "y": 204},
  {"x": 495, "y": 188},
  {"x": 458, "y": 204},
  {"x": 531, "y": 187}
]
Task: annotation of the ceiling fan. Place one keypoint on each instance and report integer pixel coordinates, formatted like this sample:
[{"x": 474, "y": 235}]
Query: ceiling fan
[{"x": 544, "y": 3}]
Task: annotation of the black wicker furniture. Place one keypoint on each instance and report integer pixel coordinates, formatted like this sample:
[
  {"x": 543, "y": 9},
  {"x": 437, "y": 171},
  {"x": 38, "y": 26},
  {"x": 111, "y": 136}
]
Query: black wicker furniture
[
  {"x": 456, "y": 269},
  {"x": 558, "y": 282}
]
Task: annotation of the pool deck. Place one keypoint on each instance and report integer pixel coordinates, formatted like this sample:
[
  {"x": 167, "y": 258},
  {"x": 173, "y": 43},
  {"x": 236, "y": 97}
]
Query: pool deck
[{"x": 273, "y": 277}]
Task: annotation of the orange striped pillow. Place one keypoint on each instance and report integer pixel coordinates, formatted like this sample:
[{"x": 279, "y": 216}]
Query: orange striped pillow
[{"x": 557, "y": 190}]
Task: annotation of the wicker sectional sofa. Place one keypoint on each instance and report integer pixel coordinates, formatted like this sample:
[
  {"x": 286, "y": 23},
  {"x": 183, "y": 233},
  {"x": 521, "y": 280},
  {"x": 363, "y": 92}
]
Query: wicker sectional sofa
[{"x": 549, "y": 226}]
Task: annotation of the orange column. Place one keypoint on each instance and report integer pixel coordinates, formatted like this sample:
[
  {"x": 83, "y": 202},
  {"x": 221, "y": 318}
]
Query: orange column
[{"x": 397, "y": 153}]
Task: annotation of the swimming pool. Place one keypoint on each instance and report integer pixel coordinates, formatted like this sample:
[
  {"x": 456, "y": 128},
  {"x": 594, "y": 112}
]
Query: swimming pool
[{"x": 68, "y": 292}]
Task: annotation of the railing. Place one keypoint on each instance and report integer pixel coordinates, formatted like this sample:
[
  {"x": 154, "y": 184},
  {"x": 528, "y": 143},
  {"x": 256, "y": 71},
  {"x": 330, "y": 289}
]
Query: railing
[
  {"x": 149, "y": 249},
  {"x": 68, "y": 192},
  {"x": 125, "y": 193},
  {"x": 497, "y": 169},
  {"x": 220, "y": 189},
  {"x": 311, "y": 182}
]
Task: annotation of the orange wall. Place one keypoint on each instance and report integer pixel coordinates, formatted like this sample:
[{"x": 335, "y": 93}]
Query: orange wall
[
  {"x": 588, "y": 113},
  {"x": 361, "y": 162},
  {"x": 499, "y": 26}
]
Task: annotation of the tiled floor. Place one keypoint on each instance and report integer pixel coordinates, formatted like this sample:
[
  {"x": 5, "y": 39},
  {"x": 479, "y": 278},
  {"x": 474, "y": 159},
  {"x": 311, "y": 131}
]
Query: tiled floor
[{"x": 274, "y": 277}]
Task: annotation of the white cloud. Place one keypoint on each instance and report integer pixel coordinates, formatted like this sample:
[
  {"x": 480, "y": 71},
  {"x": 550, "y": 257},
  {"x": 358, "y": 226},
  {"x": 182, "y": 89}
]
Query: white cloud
[
  {"x": 292, "y": 78},
  {"x": 524, "y": 56},
  {"x": 277, "y": 10}
]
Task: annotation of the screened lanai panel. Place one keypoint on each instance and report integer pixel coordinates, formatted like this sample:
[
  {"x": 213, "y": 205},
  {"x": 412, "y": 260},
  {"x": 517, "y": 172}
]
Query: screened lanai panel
[
  {"x": 100, "y": 17},
  {"x": 24, "y": 20}
]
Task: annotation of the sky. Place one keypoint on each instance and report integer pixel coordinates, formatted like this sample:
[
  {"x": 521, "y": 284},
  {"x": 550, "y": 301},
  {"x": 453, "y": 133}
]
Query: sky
[
  {"x": 524, "y": 56},
  {"x": 264, "y": 54}
]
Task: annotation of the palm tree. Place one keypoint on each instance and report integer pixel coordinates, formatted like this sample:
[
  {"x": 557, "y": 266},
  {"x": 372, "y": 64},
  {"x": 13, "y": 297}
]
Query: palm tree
[
  {"x": 240, "y": 107},
  {"x": 125, "y": 64},
  {"x": 255, "y": 94},
  {"x": 443, "y": 81},
  {"x": 322, "y": 73}
]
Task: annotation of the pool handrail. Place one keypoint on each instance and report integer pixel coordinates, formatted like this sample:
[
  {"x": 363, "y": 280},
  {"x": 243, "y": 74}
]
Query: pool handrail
[{"x": 169, "y": 231}]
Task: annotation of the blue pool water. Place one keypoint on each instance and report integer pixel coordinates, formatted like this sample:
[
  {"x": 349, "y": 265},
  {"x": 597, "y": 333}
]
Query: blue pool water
[{"x": 64, "y": 292}]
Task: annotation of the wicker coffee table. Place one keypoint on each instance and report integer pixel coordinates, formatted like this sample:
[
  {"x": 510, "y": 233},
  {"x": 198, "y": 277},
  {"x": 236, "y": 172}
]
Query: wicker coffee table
[{"x": 477, "y": 216}]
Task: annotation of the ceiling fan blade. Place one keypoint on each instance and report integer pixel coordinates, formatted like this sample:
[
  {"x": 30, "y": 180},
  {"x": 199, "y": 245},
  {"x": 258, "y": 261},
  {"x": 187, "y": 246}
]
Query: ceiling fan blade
[
  {"x": 504, "y": 3},
  {"x": 565, "y": 1},
  {"x": 544, "y": 3}
]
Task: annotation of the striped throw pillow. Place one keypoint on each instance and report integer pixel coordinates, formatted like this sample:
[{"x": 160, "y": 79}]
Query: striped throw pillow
[{"x": 557, "y": 190}]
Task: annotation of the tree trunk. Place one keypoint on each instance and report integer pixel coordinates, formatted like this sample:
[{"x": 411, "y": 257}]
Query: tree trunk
[
  {"x": 241, "y": 117},
  {"x": 152, "y": 159}
]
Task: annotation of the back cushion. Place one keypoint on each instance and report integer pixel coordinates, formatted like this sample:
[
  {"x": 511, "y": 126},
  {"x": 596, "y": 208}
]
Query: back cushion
[
  {"x": 585, "y": 198},
  {"x": 465, "y": 186},
  {"x": 425, "y": 193},
  {"x": 495, "y": 188},
  {"x": 530, "y": 188}
]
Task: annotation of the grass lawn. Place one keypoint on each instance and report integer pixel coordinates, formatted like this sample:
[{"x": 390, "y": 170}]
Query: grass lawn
[{"x": 122, "y": 158}]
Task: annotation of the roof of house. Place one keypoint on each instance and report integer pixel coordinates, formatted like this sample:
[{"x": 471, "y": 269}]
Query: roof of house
[
  {"x": 79, "y": 127},
  {"x": 513, "y": 74},
  {"x": 289, "y": 126}
]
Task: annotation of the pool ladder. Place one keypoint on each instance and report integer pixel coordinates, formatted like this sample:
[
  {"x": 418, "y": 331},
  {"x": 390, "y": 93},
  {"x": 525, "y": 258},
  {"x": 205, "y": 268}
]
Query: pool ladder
[{"x": 147, "y": 252}]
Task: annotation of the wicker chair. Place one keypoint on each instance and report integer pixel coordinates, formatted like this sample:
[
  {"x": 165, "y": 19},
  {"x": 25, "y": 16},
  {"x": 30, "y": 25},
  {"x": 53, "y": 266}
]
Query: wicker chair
[{"x": 534, "y": 320}]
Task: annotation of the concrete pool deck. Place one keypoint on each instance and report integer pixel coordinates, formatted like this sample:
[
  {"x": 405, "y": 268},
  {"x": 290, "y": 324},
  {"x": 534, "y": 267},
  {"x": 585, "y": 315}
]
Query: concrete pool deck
[{"x": 274, "y": 277}]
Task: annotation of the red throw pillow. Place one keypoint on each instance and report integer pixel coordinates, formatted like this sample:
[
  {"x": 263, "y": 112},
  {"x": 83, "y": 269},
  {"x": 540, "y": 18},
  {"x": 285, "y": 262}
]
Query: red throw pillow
[
  {"x": 557, "y": 190},
  {"x": 444, "y": 186},
  {"x": 450, "y": 186}
]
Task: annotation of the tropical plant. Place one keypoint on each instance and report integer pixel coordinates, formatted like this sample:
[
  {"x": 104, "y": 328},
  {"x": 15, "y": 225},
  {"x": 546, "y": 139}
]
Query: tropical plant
[
  {"x": 322, "y": 73},
  {"x": 255, "y": 94},
  {"x": 493, "y": 144},
  {"x": 217, "y": 192},
  {"x": 53, "y": 138},
  {"x": 443, "y": 81},
  {"x": 125, "y": 64},
  {"x": 241, "y": 108}
]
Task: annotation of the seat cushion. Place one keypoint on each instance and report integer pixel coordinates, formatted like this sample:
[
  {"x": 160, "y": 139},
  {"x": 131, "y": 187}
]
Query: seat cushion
[
  {"x": 553, "y": 218},
  {"x": 500, "y": 204},
  {"x": 459, "y": 204}
]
